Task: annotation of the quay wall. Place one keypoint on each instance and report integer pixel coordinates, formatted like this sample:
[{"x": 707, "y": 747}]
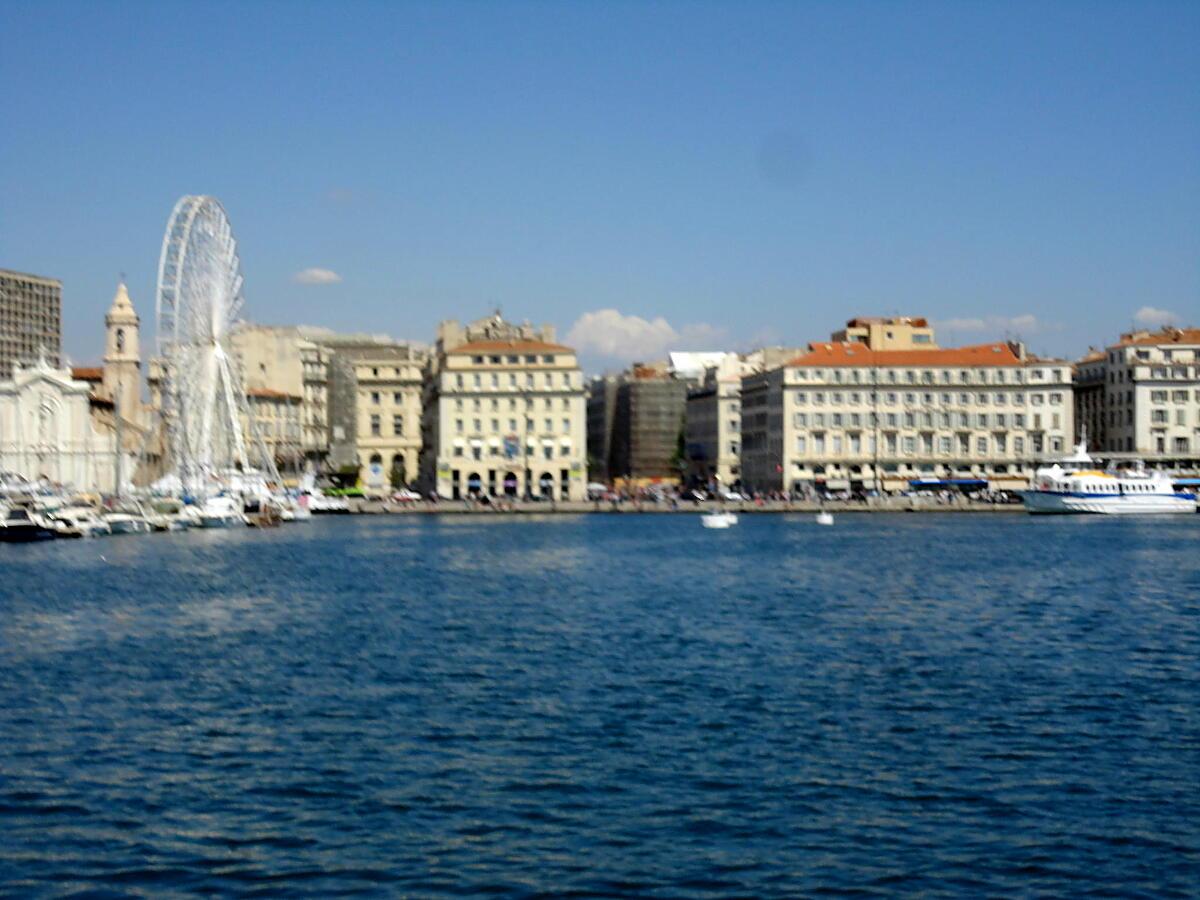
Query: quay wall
[{"x": 887, "y": 505}]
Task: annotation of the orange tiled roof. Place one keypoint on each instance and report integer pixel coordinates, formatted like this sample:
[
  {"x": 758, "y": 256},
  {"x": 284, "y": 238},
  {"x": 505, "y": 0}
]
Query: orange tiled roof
[
  {"x": 87, "y": 373},
  {"x": 1163, "y": 336},
  {"x": 1091, "y": 356},
  {"x": 510, "y": 347},
  {"x": 850, "y": 353}
]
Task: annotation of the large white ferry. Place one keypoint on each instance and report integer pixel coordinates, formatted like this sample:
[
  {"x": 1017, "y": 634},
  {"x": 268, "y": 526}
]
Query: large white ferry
[{"x": 1075, "y": 485}]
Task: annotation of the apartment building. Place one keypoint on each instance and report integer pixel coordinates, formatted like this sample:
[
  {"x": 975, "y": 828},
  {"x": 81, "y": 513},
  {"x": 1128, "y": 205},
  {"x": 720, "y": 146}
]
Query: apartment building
[
  {"x": 1141, "y": 396},
  {"x": 272, "y": 423},
  {"x": 504, "y": 413},
  {"x": 845, "y": 415},
  {"x": 30, "y": 320},
  {"x": 388, "y": 399},
  {"x": 713, "y": 415},
  {"x": 287, "y": 361},
  {"x": 647, "y": 423}
]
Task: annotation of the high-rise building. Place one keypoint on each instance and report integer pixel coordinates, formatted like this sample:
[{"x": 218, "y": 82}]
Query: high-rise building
[
  {"x": 1141, "y": 396},
  {"x": 845, "y": 415},
  {"x": 503, "y": 413},
  {"x": 30, "y": 320}
]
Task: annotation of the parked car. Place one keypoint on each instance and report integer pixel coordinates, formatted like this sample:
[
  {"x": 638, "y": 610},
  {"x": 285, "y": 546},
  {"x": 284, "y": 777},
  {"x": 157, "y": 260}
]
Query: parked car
[{"x": 404, "y": 495}]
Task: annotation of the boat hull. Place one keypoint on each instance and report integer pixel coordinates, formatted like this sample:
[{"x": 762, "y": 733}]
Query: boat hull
[
  {"x": 21, "y": 534},
  {"x": 220, "y": 521},
  {"x": 1058, "y": 503},
  {"x": 130, "y": 526}
]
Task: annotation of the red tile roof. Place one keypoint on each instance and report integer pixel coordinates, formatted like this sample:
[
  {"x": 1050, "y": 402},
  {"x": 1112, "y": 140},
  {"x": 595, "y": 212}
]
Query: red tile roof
[
  {"x": 510, "y": 347},
  {"x": 851, "y": 353},
  {"x": 1164, "y": 336},
  {"x": 87, "y": 373}
]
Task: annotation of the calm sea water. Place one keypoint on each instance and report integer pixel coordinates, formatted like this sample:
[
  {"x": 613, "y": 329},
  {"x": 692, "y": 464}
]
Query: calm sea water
[{"x": 606, "y": 706}]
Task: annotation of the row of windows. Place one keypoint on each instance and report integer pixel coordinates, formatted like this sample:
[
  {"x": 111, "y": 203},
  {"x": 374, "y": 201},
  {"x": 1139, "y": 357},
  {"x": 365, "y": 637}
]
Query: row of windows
[
  {"x": 494, "y": 451},
  {"x": 909, "y": 445},
  {"x": 377, "y": 425},
  {"x": 512, "y": 359},
  {"x": 926, "y": 420},
  {"x": 1118, "y": 377},
  {"x": 1161, "y": 396},
  {"x": 547, "y": 403},
  {"x": 1163, "y": 416},
  {"x": 927, "y": 376},
  {"x": 398, "y": 397},
  {"x": 890, "y": 398},
  {"x": 548, "y": 380},
  {"x": 477, "y": 425}
]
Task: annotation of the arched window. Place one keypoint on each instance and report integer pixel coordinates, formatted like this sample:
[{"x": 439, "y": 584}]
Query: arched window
[{"x": 120, "y": 340}]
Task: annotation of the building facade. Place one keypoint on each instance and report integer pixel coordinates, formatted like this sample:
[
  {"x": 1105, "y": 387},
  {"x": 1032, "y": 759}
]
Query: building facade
[
  {"x": 504, "y": 414},
  {"x": 284, "y": 360},
  {"x": 47, "y": 431},
  {"x": 645, "y": 447},
  {"x": 273, "y": 429},
  {"x": 1141, "y": 396},
  {"x": 845, "y": 416},
  {"x": 388, "y": 396},
  {"x": 30, "y": 320},
  {"x": 713, "y": 417},
  {"x": 713, "y": 425}
]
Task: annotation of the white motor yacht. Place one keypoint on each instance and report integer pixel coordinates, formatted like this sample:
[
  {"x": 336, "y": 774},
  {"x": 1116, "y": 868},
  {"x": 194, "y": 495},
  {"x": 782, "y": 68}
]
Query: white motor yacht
[
  {"x": 79, "y": 521},
  {"x": 719, "y": 519},
  {"x": 1075, "y": 485},
  {"x": 128, "y": 520},
  {"x": 221, "y": 512},
  {"x": 22, "y": 525}
]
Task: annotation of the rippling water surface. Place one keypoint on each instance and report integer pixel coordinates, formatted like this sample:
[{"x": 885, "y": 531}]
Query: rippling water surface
[{"x": 606, "y": 706}]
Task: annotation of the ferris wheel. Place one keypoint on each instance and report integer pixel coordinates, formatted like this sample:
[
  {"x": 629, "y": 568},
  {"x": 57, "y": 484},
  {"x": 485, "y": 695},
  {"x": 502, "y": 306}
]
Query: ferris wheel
[{"x": 198, "y": 303}]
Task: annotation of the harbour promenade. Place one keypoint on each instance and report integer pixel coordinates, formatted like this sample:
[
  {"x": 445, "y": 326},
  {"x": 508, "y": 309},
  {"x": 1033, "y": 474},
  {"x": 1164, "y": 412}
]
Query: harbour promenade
[{"x": 636, "y": 507}]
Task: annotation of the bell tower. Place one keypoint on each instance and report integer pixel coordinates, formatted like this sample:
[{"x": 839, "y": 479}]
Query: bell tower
[{"x": 122, "y": 356}]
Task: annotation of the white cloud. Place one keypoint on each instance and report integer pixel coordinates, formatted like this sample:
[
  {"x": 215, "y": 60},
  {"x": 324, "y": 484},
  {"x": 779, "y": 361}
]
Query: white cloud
[
  {"x": 1151, "y": 316},
  {"x": 609, "y": 334},
  {"x": 316, "y": 276},
  {"x": 1024, "y": 324}
]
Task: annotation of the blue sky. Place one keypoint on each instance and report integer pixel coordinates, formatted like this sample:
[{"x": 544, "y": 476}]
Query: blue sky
[{"x": 644, "y": 176}]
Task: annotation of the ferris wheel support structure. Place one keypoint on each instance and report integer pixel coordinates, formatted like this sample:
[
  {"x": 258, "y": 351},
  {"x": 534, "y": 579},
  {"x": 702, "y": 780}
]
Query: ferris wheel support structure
[{"x": 198, "y": 304}]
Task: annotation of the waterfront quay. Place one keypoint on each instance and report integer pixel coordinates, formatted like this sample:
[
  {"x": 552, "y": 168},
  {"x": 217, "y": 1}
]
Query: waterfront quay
[{"x": 635, "y": 507}]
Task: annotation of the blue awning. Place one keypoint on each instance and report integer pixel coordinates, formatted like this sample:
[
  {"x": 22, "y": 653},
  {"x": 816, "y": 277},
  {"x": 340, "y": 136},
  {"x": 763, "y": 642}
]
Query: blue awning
[
  {"x": 947, "y": 482},
  {"x": 1187, "y": 481}
]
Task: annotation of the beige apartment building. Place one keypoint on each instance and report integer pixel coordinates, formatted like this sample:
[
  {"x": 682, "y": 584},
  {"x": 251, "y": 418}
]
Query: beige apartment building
[
  {"x": 30, "y": 320},
  {"x": 282, "y": 359},
  {"x": 272, "y": 425},
  {"x": 1141, "y": 396},
  {"x": 388, "y": 387},
  {"x": 713, "y": 417},
  {"x": 845, "y": 415},
  {"x": 504, "y": 413}
]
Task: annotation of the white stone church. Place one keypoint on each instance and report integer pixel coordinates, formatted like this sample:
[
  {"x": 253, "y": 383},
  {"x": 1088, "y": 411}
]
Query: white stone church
[{"x": 58, "y": 425}]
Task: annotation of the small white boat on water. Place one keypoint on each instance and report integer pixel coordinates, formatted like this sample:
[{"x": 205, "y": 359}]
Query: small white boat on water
[
  {"x": 79, "y": 521},
  {"x": 718, "y": 520},
  {"x": 824, "y": 518},
  {"x": 1074, "y": 485},
  {"x": 128, "y": 520},
  {"x": 221, "y": 512}
]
